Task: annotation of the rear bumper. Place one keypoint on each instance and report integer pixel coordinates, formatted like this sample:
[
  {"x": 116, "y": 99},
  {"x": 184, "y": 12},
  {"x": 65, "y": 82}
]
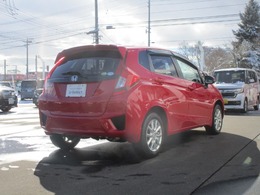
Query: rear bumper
[
  {"x": 122, "y": 118},
  {"x": 84, "y": 127}
]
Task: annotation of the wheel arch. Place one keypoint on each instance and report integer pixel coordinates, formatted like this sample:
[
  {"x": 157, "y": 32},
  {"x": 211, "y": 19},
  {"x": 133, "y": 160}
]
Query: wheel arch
[
  {"x": 149, "y": 146},
  {"x": 221, "y": 105},
  {"x": 159, "y": 110}
]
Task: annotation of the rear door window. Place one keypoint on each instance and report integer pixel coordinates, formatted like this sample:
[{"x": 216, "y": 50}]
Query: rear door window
[{"x": 163, "y": 65}]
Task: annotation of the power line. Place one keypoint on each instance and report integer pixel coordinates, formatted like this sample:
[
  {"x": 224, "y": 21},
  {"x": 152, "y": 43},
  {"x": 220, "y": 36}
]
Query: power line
[
  {"x": 173, "y": 21},
  {"x": 68, "y": 28}
]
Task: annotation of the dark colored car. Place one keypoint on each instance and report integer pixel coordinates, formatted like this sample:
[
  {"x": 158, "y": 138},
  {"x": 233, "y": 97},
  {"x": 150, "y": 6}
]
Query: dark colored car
[
  {"x": 38, "y": 91},
  {"x": 8, "y": 98},
  {"x": 140, "y": 95},
  {"x": 27, "y": 89}
]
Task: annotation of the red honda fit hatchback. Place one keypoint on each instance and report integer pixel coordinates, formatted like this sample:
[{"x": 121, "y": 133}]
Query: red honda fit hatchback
[{"x": 139, "y": 95}]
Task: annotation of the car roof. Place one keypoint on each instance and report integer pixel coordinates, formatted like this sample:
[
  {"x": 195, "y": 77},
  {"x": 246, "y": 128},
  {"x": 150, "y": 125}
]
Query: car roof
[
  {"x": 232, "y": 69},
  {"x": 120, "y": 48},
  {"x": 30, "y": 80}
]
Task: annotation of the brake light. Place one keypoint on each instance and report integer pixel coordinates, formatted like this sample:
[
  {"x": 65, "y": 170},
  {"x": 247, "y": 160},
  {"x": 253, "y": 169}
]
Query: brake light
[
  {"x": 125, "y": 83},
  {"x": 49, "y": 87},
  {"x": 60, "y": 61},
  {"x": 132, "y": 80}
]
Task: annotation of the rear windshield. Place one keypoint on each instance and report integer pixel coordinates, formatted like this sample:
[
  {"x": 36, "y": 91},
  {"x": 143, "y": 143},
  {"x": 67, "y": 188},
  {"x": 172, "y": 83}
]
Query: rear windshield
[
  {"x": 230, "y": 76},
  {"x": 28, "y": 84},
  {"x": 87, "y": 69}
]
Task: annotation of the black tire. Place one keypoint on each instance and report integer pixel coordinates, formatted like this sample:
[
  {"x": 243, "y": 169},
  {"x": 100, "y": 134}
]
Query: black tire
[
  {"x": 245, "y": 107},
  {"x": 152, "y": 136},
  {"x": 256, "y": 107},
  {"x": 64, "y": 142},
  {"x": 217, "y": 121},
  {"x": 6, "y": 109}
]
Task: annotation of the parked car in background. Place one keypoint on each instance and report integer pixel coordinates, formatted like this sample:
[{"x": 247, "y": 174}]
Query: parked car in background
[
  {"x": 27, "y": 89},
  {"x": 38, "y": 91},
  {"x": 239, "y": 88},
  {"x": 6, "y": 83},
  {"x": 140, "y": 95},
  {"x": 8, "y": 98}
]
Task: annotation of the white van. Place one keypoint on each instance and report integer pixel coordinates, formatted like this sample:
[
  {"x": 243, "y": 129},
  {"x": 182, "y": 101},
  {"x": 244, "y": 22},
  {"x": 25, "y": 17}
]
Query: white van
[{"x": 239, "y": 88}]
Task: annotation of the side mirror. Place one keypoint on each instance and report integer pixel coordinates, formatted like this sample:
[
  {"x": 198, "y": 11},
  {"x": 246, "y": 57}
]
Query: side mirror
[{"x": 209, "y": 80}]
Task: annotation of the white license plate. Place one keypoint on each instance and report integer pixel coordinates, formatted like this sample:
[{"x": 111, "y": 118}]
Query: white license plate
[
  {"x": 76, "y": 90},
  {"x": 10, "y": 100}
]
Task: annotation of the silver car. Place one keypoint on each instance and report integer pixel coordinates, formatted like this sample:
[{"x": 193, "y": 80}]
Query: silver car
[{"x": 239, "y": 88}]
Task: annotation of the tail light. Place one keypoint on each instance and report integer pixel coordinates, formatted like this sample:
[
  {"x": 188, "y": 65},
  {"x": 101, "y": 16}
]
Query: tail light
[
  {"x": 125, "y": 82},
  {"x": 48, "y": 86}
]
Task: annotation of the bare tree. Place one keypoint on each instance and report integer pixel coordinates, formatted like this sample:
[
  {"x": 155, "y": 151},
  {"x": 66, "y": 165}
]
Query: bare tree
[
  {"x": 216, "y": 58},
  {"x": 192, "y": 52}
]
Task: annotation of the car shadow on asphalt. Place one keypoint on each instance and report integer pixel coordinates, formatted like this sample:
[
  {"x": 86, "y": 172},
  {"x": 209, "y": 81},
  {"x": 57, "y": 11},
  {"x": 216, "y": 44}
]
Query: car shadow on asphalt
[
  {"x": 7, "y": 113},
  {"x": 195, "y": 159}
]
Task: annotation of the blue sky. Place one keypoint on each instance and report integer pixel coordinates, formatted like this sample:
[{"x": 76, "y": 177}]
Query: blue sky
[{"x": 51, "y": 26}]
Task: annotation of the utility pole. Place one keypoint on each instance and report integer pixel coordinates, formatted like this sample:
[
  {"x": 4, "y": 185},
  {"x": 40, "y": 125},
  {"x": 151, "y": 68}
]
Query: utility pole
[
  {"x": 36, "y": 67},
  {"x": 4, "y": 70},
  {"x": 95, "y": 32},
  {"x": 202, "y": 56},
  {"x": 27, "y": 53},
  {"x": 43, "y": 66},
  {"x": 149, "y": 23},
  {"x": 96, "y": 22}
]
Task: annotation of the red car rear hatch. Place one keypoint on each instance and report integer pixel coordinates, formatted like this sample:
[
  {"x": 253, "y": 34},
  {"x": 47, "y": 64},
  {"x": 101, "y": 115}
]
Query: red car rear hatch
[{"x": 83, "y": 80}]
